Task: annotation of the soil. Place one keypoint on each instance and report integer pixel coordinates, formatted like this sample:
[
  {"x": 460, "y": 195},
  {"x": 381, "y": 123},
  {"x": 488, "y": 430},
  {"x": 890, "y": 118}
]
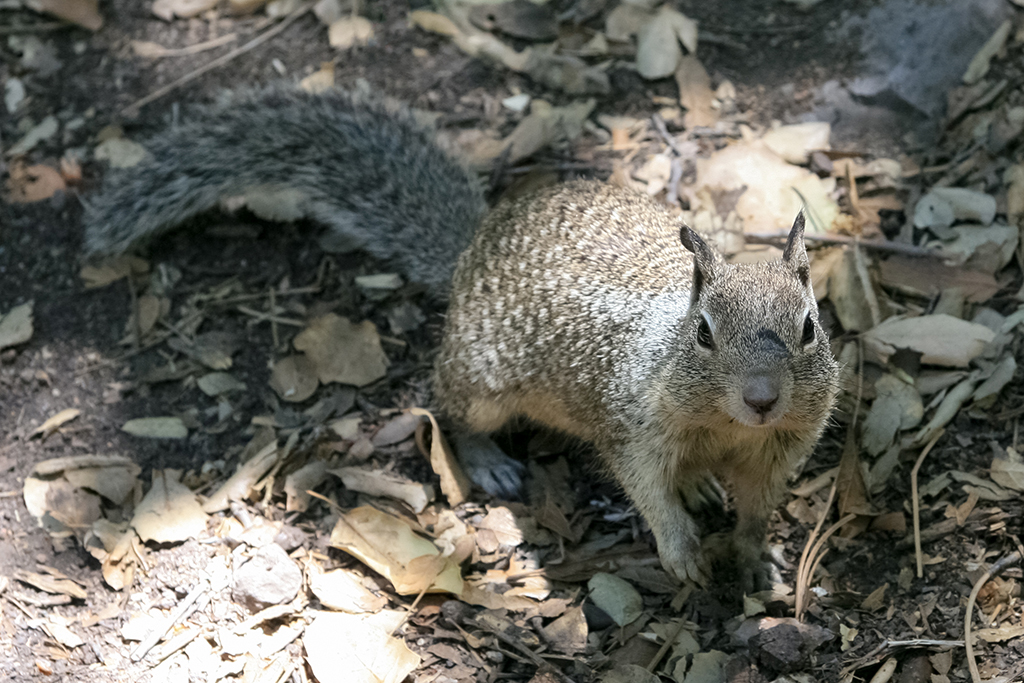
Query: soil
[{"x": 772, "y": 52}]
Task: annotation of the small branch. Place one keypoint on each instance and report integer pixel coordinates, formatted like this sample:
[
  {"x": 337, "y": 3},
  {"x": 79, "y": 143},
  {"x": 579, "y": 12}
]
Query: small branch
[
  {"x": 1012, "y": 558},
  {"x": 874, "y": 245},
  {"x": 915, "y": 499}
]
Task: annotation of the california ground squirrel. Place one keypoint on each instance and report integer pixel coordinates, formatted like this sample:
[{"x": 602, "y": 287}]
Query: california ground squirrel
[{"x": 584, "y": 307}]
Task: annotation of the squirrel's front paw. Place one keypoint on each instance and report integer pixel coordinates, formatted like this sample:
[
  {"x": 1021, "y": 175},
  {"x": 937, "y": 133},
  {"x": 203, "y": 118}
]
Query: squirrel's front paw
[
  {"x": 685, "y": 561},
  {"x": 702, "y": 492},
  {"x": 756, "y": 571}
]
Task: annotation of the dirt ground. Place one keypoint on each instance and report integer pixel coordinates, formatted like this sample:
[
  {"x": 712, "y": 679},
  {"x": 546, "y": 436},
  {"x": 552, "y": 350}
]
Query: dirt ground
[{"x": 74, "y": 358}]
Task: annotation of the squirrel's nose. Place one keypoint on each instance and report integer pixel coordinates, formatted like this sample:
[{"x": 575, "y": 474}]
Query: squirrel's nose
[{"x": 761, "y": 393}]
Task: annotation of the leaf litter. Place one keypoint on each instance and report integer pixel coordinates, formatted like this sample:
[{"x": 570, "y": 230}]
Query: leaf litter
[{"x": 893, "y": 308}]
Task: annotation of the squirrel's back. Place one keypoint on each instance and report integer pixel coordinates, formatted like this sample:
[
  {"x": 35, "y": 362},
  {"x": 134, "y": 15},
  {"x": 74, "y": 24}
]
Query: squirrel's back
[{"x": 369, "y": 172}]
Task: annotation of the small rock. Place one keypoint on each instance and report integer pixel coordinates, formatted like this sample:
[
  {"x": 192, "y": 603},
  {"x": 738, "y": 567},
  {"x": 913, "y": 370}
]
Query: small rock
[
  {"x": 779, "y": 648},
  {"x": 269, "y": 578}
]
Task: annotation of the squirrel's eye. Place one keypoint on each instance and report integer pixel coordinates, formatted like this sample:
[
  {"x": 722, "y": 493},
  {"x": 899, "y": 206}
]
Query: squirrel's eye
[
  {"x": 808, "y": 335},
  {"x": 704, "y": 334}
]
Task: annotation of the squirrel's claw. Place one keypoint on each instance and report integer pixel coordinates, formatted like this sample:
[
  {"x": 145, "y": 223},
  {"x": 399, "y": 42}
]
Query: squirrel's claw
[{"x": 703, "y": 492}]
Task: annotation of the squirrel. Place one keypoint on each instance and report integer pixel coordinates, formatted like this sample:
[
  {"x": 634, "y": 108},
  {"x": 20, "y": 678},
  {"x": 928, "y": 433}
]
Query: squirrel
[{"x": 584, "y": 307}]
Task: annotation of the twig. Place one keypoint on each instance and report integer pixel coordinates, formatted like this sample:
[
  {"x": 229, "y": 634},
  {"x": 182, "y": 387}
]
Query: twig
[
  {"x": 666, "y": 645},
  {"x": 917, "y": 504},
  {"x": 35, "y": 28},
  {"x": 194, "y": 49},
  {"x": 875, "y": 245},
  {"x": 1012, "y": 558},
  {"x": 183, "y": 610},
  {"x": 220, "y": 61}
]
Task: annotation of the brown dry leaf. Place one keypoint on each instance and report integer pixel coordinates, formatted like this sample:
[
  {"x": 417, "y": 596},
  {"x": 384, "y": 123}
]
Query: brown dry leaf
[
  {"x": 113, "y": 269},
  {"x": 1000, "y": 634},
  {"x": 434, "y": 22},
  {"x": 503, "y": 524},
  {"x": 70, "y": 169},
  {"x": 319, "y": 81},
  {"x": 119, "y": 565},
  {"x": 929, "y": 277},
  {"x": 897, "y": 406},
  {"x": 349, "y": 32},
  {"x": 568, "y": 633},
  {"x": 379, "y": 483},
  {"x": 874, "y": 602},
  {"x": 342, "y": 351},
  {"x": 294, "y": 378},
  {"x": 237, "y": 487},
  {"x": 53, "y": 423},
  {"x": 51, "y": 580},
  {"x": 212, "y": 349},
  {"x": 85, "y": 13},
  {"x": 27, "y": 184},
  {"x": 168, "y": 9},
  {"x": 455, "y": 485},
  {"x": 388, "y": 545},
  {"x": 170, "y": 512},
  {"x": 941, "y": 339},
  {"x": 302, "y": 480},
  {"x": 342, "y": 590},
  {"x": 695, "y": 93},
  {"x": 1008, "y": 471},
  {"x": 349, "y": 648}
]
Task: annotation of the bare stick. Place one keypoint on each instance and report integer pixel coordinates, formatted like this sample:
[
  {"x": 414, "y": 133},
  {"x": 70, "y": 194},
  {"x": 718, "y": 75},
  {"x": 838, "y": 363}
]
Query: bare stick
[
  {"x": 917, "y": 504},
  {"x": 1012, "y": 558},
  {"x": 875, "y": 245},
  {"x": 220, "y": 61}
]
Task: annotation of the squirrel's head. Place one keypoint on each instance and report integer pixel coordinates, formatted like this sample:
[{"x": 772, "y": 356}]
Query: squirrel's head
[{"x": 762, "y": 356}]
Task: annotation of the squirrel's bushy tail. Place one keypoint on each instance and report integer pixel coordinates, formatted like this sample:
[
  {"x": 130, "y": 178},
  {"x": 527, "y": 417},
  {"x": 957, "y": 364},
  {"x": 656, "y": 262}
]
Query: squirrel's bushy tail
[{"x": 368, "y": 172}]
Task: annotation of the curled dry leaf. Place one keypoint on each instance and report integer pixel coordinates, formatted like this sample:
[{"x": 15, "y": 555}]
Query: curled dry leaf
[
  {"x": 658, "y": 52},
  {"x": 389, "y": 546},
  {"x": 302, "y": 480},
  {"x": 53, "y": 423},
  {"x": 237, "y": 486},
  {"x": 455, "y": 485},
  {"x": 379, "y": 483}
]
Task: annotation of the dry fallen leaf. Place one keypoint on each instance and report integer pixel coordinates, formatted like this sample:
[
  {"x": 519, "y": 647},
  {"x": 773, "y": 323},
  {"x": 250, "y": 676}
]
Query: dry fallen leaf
[
  {"x": 616, "y": 597},
  {"x": 350, "y": 648},
  {"x": 379, "y": 483},
  {"x": 16, "y": 325},
  {"x": 941, "y": 339},
  {"x": 169, "y": 513},
  {"x": 342, "y": 351},
  {"x": 389, "y": 546},
  {"x": 27, "y": 184},
  {"x": 294, "y": 378},
  {"x": 85, "y": 13},
  {"x": 156, "y": 428},
  {"x": 53, "y": 423},
  {"x": 113, "y": 269},
  {"x": 455, "y": 485},
  {"x": 343, "y": 591},
  {"x": 349, "y": 32}
]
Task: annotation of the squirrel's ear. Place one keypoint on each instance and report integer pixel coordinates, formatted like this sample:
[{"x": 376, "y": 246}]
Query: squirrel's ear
[
  {"x": 795, "y": 253},
  {"x": 703, "y": 258}
]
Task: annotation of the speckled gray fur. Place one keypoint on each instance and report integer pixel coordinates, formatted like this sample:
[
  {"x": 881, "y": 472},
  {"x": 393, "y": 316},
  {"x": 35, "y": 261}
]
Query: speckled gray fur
[
  {"x": 368, "y": 171},
  {"x": 577, "y": 306}
]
